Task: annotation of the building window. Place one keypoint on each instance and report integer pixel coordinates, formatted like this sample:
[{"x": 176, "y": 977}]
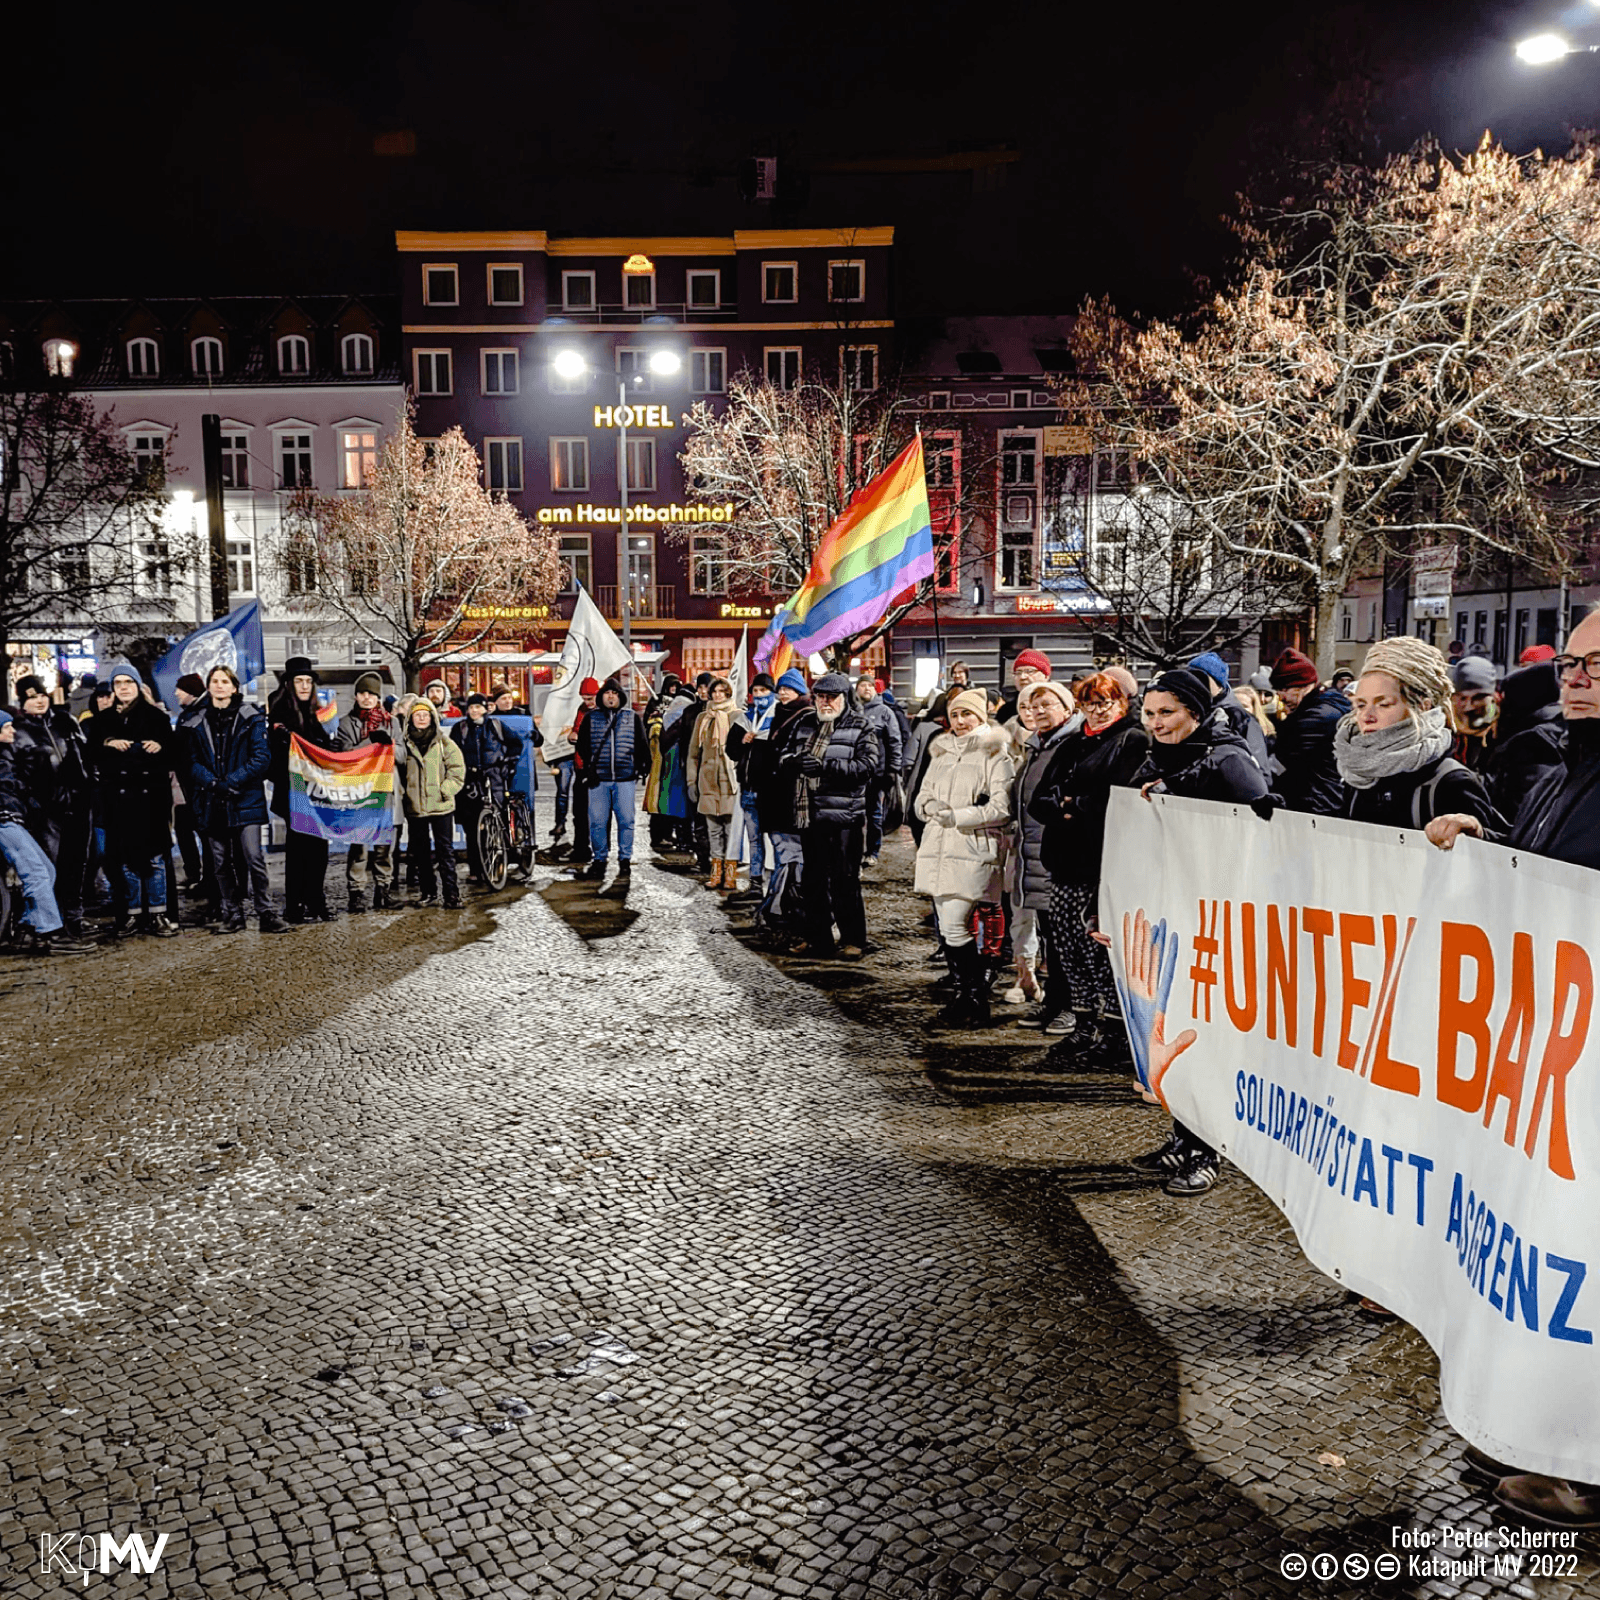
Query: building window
[
  {"x": 207, "y": 356},
  {"x": 708, "y": 564},
  {"x": 642, "y": 574},
  {"x": 1347, "y": 623},
  {"x": 150, "y": 457},
  {"x": 153, "y": 579},
  {"x": 144, "y": 359},
  {"x": 639, "y": 289},
  {"x": 235, "y": 461},
  {"x": 294, "y": 460},
  {"x": 505, "y": 284},
  {"x": 431, "y": 371},
  {"x": 294, "y": 354},
  {"x": 633, "y": 367},
  {"x": 241, "y": 567},
  {"x": 365, "y": 653},
  {"x": 439, "y": 286},
  {"x": 577, "y": 291},
  {"x": 783, "y": 366},
  {"x": 942, "y": 460},
  {"x": 704, "y": 289},
  {"x": 358, "y": 458},
  {"x": 300, "y": 644},
  {"x": 569, "y": 465},
  {"x": 641, "y": 463},
  {"x": 500, "y": 372},
  {"x": 858, "y": 366},
  {"x": 1019, "y": 471},
  {"x": 847, "y": 280},
  {"x": 502, "y": 461},
  {"x": 59, "y": 356},
  {"x": 355, "y": 352},
  {"x": 1461, "y": 626},
  {"x": 300, "y": 575},
  {"x": 708, "y": 371},
  {"x": 575, "y": 563},
  {"x": 778, "y": 282}
]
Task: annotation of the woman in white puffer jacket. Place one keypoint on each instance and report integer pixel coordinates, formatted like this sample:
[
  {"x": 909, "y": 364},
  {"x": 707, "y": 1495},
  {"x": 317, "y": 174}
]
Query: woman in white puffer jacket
[{"x": 965, "y": 801}]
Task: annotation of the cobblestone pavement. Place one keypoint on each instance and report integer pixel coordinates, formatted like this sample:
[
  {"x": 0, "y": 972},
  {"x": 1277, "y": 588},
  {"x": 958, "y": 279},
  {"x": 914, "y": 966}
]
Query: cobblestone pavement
[{"x": 550, "y": 1249}]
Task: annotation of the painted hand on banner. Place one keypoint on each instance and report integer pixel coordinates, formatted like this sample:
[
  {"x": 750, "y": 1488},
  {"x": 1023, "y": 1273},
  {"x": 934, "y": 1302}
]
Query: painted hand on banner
[{"x": 1150, "y": 963}]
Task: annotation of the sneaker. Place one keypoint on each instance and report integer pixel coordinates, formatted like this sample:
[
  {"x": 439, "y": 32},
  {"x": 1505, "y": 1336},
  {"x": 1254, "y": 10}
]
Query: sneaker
[
  {"x": 425, "y": 902},
  {"x": 1014, "y": 995},
  {"x": 850, "y": 952},
  {"x": 1196, "y": 1176},
  {"x": 271, "y": 922},
  {"x": 869, "y": 861},
  {"x": 453, "y": 903},
  {"x": 1037, "y": 1018},
  {"x": 233, "y": 924},
  {"x": 160, "y": 927},
  {"x": 594, "y": 872},
  {"x": 1169, "y": 1158},
  {"x": 1060, "y": 1025},
  {"x": 62, "y": 943}
]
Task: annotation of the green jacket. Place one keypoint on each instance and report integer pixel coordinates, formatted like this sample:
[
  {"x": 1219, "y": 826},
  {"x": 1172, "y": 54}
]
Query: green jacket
[{"x": 433, "y": 776}]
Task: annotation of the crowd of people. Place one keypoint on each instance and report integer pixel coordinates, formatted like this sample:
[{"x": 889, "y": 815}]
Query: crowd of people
[{"x": 1005, "y": 791}]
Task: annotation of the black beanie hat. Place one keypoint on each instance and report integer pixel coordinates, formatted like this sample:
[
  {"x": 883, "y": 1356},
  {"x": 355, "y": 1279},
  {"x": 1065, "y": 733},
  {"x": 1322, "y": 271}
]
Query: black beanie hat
[
  {"x": 1188, "y": 687},
  {"x": 32, "y": 684},
  {"x": 762, "y": 680}
]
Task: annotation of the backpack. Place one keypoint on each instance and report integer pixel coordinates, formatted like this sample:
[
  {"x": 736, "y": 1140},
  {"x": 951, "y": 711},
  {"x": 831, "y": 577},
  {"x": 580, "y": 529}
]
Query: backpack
[{"x": 1422, "y": 814}]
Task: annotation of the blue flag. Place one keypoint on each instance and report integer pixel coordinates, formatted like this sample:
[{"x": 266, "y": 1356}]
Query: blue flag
[{"x": 231, "y": 641}]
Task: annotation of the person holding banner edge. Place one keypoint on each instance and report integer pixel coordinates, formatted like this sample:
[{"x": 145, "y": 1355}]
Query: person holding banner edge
[{"x": 293, "y": 710}]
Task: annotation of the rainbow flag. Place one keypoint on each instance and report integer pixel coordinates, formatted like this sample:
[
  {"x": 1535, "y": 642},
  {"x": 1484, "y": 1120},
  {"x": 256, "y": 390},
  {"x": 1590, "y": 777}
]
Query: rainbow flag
[
  {"x": 880, "y": 547},
  {"x": 327, "y": 706},
  {"x": 343, "y": 795}
]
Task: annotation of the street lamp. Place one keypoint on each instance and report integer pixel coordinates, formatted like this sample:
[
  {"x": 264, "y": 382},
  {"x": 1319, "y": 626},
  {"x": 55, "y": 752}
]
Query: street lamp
[
  {"x": 664, "y": 362},
  {"x": 1543, "y": 48}
]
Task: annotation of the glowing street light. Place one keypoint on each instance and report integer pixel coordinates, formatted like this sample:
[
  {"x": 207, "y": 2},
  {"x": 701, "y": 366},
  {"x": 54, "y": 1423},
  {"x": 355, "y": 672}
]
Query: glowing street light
[
  {"x": 569, "y": 364},
  {"x": 1542, "y": 49}
]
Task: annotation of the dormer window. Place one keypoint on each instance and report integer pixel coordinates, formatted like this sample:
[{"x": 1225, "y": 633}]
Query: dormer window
[
  {"x": 207, "y": 357},
  {"x": 294, "y": 354},
  {"x": 59, "y": 356},
  {"x": 355, "y": 351},
  {"x": 144, "y": 358}
]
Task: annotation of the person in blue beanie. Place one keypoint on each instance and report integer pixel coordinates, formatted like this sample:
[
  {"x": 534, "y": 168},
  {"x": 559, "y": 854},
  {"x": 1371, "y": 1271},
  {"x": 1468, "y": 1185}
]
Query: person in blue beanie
[{"x": 1227, "y": 709}]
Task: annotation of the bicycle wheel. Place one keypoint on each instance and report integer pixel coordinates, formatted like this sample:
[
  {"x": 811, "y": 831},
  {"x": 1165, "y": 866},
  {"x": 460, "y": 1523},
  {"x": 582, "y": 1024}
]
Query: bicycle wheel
[
  {"x": 521, "y": 843},
  {"x": 492, "y": 847}
]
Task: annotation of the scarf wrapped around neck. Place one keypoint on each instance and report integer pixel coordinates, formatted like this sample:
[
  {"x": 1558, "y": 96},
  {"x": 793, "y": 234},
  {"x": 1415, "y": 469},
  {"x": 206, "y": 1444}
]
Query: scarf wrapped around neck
[{"x": 1365, "y": 759}]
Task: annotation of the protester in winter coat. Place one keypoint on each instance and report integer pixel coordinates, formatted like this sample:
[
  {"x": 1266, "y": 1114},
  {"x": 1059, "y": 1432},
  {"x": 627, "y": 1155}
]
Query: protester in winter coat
[
  {"x": 229, "y": 757},
  {"x": 752, "y": 726},
  {"x": 198, "y": 877},
  {"x": 435, "y": 772},
  {"x": 958, "y": 677},
  {"x": 883, "y": 722},
  {"x": 1080, "y": 996},
  {"x": 491, "y": 752},
  {"x": 613, "y": 754},
  {"x": 714, "y": 782},
  {"x": 366, "y": 723},
  {"x": 831, "y": 755},
  {"x": 1559, "y": 819},
  {"x": 1477, "y": 710},
  {"x": 965, "y": 800},
  {"x": 291, "y": 711},
  {"x": 654, "y": 715},
  {"x": 572, "y": 786},
  {"x": 1527, "y": 735},
  {"x": 1393, "y": 749},
  {"x": 40, "y": 914},
  {"x": 1307, "y": 774},
  {"x": 1191, "y": 755},
  {"x": 438, "y": 691},
  {"x": 58, "y": 783},
  {"x": 1230, "y": 708},
  {"x": 774, "y": 792},
  {"x": 131, "y": 747},
  {"x": 1255, "y": 706},
  {"x": 1045, "y": 709},
  {"x": 1031, "y": 666},
  {"x": 922, "y": 736}
]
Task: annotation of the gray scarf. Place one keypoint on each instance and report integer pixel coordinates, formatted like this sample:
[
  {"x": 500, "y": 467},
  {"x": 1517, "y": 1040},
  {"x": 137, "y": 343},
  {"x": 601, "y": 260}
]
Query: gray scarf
[{"x": 1366, "y": 759}]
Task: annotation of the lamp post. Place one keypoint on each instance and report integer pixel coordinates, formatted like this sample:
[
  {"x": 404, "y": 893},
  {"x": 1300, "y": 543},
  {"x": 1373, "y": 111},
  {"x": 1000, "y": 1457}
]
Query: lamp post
[
  {"x": 572, "y": 364},
  {"x": 1543, "y": 48}
]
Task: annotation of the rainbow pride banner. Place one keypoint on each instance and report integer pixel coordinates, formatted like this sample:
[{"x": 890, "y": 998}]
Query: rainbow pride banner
[
  {"x": 880, "y": 548},
  {"x": 346, "y": 796},
  {"x": 327, "y": 707}
]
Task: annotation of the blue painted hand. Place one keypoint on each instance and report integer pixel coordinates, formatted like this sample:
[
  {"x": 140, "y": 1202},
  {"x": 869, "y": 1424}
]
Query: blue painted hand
[{"x": 1149, "y": 965}]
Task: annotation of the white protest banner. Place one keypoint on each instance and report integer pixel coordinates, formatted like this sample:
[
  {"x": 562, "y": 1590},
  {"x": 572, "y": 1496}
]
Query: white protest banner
[
  {"x": 1395, "y": 1043},
  {"x": 592, "y": 650}
]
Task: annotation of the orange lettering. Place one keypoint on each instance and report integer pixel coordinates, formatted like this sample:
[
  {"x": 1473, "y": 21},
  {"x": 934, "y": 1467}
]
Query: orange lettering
[
  {"x": 1319, "y": 924},
  {"x": 1388, "y": 1072},
  {"x": 1458, "y": 942},
  {"x": 1242, "y": 1013},
  {"x": 1575, "y": 977},
  {"x": 1354, "y": 992},
  {"x": 1516, "y": 1040},
  {"x": 1283, "y": 976}
]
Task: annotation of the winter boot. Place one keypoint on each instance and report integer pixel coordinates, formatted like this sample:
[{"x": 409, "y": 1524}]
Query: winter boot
[
  {"x": 358, "y": 899},
  {"x": 973, "y": 973},
  {"x": 730, "y": 876},
  {"x": 715, "y": 880},
  {"x": 382, "y": 898}
]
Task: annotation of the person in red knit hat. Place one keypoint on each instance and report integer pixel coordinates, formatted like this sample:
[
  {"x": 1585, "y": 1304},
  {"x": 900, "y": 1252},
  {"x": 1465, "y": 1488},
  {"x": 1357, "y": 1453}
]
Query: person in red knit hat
[
  {"x": 1308, "y": 775},
  {"x": 568, "y": 777},
  {"x": 1032, "y": 666}
]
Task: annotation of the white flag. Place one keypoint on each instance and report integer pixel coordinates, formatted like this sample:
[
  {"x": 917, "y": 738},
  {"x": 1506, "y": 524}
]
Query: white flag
[
  {"x": 739, "y": 678},
  {"x": 592, "y": 650}
]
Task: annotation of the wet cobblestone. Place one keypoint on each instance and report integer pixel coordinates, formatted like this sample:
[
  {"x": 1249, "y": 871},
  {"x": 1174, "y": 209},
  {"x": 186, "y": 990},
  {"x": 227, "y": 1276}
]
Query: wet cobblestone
[{"x": 563, "y": 1249}]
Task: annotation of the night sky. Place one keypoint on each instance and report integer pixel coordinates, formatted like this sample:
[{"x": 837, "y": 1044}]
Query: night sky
[{"x": 232, "y": 150}]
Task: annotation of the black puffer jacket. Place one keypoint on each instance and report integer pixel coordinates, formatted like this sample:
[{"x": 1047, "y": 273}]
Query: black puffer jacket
[
  {"x": 1308, "y": 774},
  {"x": 1045, "y": 765},
  {"x": 852, "y": 758},
  {"x": 135, "y": 786},
  {"x": 53, "y": 764},
  {"x": 1232, "y": 710},
  {"x": 1561, "y": 816},
  {"x": 1405, "y": 800},
  {"x": 1211, "y": 764},
  {"x": 774, "y": 790},
  {"x": 1075, "y": 806},
  {"x": 13, "y": 798}
]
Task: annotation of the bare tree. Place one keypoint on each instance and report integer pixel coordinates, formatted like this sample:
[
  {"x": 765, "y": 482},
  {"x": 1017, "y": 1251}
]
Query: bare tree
[
  {"x": 790, "y": 460},
  {"x": 81, "y": 518},
  {"x": 421, "y": 556},
  {"x": 1410, "y": 357}
]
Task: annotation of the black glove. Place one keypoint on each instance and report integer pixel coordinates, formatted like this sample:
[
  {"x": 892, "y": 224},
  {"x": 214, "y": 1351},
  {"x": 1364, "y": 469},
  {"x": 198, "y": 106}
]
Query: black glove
[
  {"x": 1265, "y": 806},
  {"x": 382, "y": 738},
  {"x": 810, "y": 764}
]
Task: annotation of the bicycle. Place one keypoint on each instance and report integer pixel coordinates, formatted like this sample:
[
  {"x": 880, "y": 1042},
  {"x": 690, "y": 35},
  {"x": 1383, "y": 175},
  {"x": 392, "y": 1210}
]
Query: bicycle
[{"x": 503, "y": 833}]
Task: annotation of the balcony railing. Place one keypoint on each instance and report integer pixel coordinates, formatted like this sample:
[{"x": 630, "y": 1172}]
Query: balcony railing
[
  {"x": 662, "y": 601},
  {"x": 636, "y": 316}
]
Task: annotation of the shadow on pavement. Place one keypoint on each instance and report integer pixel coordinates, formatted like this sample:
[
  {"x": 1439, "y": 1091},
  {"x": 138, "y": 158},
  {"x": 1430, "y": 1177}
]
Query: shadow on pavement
[{"x": 578, "y": 904}]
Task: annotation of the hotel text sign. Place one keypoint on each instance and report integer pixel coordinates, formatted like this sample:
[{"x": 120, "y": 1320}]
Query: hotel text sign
[{"x": 633, "y": 417}]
